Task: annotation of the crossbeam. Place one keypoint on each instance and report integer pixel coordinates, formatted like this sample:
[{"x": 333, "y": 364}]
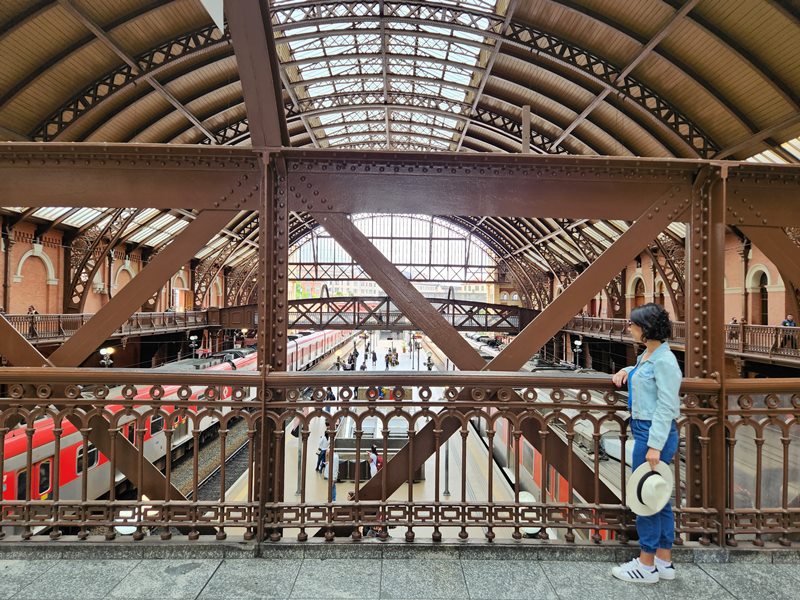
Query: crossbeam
[{"x": 128, "y": 175}]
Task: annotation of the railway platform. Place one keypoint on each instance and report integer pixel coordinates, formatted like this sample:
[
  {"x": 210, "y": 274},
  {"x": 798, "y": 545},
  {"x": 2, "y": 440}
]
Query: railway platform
[{"x": 374, "y": 569}]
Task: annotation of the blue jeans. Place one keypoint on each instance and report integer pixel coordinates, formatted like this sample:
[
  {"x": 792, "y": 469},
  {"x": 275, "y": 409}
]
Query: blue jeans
[
  {"x": 658, "y": 530},
  {"x": 333, "y": 492}
]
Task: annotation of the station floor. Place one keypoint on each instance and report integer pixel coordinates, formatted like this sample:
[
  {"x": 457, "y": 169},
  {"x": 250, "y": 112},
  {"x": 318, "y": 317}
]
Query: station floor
[{"x": 368, "y": 571}]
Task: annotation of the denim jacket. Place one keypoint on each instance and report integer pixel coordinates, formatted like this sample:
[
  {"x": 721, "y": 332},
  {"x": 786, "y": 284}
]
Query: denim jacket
[{"x": 655, "y": 387}]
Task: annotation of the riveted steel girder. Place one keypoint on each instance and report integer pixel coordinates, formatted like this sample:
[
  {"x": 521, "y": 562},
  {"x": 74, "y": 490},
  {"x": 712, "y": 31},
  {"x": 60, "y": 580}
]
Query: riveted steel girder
[{"x": 128, "y": 175}]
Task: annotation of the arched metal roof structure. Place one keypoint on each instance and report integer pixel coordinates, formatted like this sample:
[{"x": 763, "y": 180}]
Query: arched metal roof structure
[{"x": 660, "y": 78}]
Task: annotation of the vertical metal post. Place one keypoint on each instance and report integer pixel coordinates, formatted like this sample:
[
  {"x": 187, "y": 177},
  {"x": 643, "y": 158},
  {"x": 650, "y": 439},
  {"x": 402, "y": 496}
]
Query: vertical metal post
[
  {"x": 526, "y": 129},
  {"x": 705, "y": 341},
  {"x": 446, "y": 491},
  {"x": 272, "y": 313},
  {"x": 718, "y": 468}
]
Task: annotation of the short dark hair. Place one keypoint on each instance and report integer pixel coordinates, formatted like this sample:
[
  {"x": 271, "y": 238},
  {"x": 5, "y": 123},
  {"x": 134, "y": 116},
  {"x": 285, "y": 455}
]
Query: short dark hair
[{"x": 653, "y": 320}]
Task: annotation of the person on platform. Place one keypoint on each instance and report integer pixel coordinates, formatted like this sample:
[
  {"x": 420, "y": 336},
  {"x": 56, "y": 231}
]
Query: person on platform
[
  {"x": 789, "y": 339},
  {"x": 322, "y": 451},
  {"x": 332, "y": 471},
  {"x": 653, "y": 385}
]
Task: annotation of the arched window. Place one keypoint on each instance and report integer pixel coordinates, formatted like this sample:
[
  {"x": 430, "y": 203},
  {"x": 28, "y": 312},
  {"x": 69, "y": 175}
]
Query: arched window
[
  {"x": 504, "y": 297},
  {"x": 515, "y": 297},
  {"x": 638, "y": 294},
  {"x": 764, "y": 297}
]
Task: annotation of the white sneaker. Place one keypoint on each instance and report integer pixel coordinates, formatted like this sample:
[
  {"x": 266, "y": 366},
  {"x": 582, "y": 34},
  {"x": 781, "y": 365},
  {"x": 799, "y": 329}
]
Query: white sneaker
[
  {"x": 667, "y": 571},
  {"x": 635, "y": 572}
]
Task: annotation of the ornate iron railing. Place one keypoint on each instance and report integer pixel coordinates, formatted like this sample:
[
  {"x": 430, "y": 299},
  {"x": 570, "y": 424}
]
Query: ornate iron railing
[
  {"x": 737, "y": 472},
  {"x": 764, "y": 340},
  {"x": 59, "y": 327}
]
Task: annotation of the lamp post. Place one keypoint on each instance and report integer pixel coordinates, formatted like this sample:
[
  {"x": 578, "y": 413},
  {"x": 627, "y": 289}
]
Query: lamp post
[
  {"x": 577, "y": 347},
  {"x": 193, "y": 344},
  {"x": 244, "y": 335},
  {"x": 105, "y": 356}
]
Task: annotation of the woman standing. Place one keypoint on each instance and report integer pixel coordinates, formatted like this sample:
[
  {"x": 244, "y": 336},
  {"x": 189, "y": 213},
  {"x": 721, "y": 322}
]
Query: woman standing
[{"x": 653, "y": 385}]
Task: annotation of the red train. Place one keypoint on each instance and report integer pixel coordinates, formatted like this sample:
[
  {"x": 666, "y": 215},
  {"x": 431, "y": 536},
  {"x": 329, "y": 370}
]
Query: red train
[{"x": 33, "y": 480}]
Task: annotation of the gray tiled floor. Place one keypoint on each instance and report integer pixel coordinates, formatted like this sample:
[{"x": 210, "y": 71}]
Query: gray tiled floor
[{"x": 433, "y": 577}]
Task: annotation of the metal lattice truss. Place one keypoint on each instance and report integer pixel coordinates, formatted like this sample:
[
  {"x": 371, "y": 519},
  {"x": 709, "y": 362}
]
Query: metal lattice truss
[
  {"x": 448, "y": 75},
  {"x": 380, "y": 312}
]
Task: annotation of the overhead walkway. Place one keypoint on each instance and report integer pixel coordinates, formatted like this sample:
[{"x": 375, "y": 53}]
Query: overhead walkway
[{"x": 381, "y": 313}]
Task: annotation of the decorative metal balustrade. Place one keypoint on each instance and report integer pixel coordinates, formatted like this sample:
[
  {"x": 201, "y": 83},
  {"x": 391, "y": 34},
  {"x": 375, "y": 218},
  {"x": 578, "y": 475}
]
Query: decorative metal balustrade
[
  {"x": 736, "y": 473},
  {"x": 758, "y": 340},
  {"x": 60, "y": 327}
]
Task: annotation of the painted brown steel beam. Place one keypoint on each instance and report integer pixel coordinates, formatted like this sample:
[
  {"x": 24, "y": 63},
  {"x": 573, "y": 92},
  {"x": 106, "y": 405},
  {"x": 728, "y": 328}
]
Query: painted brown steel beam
[
  {"x": 407, "y": 298},
  {"x": 657, "y": 217},
  {"x": 128, "y": 175},
  {"x": 506, "y": 185},
  {"x": 17, "y": 350},
  {"x": 254, "y": 45},
  {"x": 87, "y": 339}
]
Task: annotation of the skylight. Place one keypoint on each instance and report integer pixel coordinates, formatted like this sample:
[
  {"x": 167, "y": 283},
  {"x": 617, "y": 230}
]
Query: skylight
[{"x": 380, "y": 58}]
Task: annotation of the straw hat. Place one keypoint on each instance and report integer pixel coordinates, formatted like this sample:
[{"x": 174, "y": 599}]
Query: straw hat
[{"x": 649, "y": 490}]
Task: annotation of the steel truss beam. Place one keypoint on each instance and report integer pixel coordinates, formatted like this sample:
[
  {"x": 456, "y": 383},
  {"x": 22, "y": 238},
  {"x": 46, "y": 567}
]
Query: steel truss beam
[
  {"x": 215, "y": 178},
  {"x": 257, "y": 60},
  {"x": 152, "y": 63},
  {"x": 417, "y": 272},
  {"x": 500, "y": 123},
  {"x": 128, "y": 176},
  {"x": 508, "y": 185},
  {"x": 380, "y": 312}
]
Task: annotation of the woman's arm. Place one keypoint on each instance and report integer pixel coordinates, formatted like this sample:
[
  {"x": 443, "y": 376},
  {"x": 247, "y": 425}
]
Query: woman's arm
[{"x": 668, "y": 384}]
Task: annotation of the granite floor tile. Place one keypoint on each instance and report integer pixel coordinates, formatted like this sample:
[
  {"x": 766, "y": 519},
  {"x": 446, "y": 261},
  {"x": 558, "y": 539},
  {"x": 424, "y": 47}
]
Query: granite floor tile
[
  {"x": 338, "y": 578},
  {"x": 16, "y": 575},
  {"x": 86, "y": 579},
  {"x": 691, "y": 582},
  {"x": 412, "y": 578},
  {"x": 507, "y": 580},
  {"x": 592, "y": 580},
  {"x": 249, "y": 578},
  {"x": 760, "y": 581},
  {"x": 178, "y": 579}
]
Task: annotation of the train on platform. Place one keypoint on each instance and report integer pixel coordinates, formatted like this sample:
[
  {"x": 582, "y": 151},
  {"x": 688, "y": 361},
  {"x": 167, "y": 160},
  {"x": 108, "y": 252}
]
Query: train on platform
[{"x": 33, "y": 478}]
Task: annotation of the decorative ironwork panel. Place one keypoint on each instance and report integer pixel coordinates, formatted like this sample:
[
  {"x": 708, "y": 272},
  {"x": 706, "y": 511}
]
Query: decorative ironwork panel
[{"x": 87, "y": 253}]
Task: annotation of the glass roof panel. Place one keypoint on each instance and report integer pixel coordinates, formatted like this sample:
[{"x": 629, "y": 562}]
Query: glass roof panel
[
  {"x": 360, "y": 58},
  {"x": 82, "y": 217},
  {"x": 51, "y": 213}
]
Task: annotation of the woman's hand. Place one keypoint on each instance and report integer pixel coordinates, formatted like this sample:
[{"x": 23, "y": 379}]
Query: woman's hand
[
  {"x": 620, "y": 378},
  {"x": 653, "y": 457}
]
